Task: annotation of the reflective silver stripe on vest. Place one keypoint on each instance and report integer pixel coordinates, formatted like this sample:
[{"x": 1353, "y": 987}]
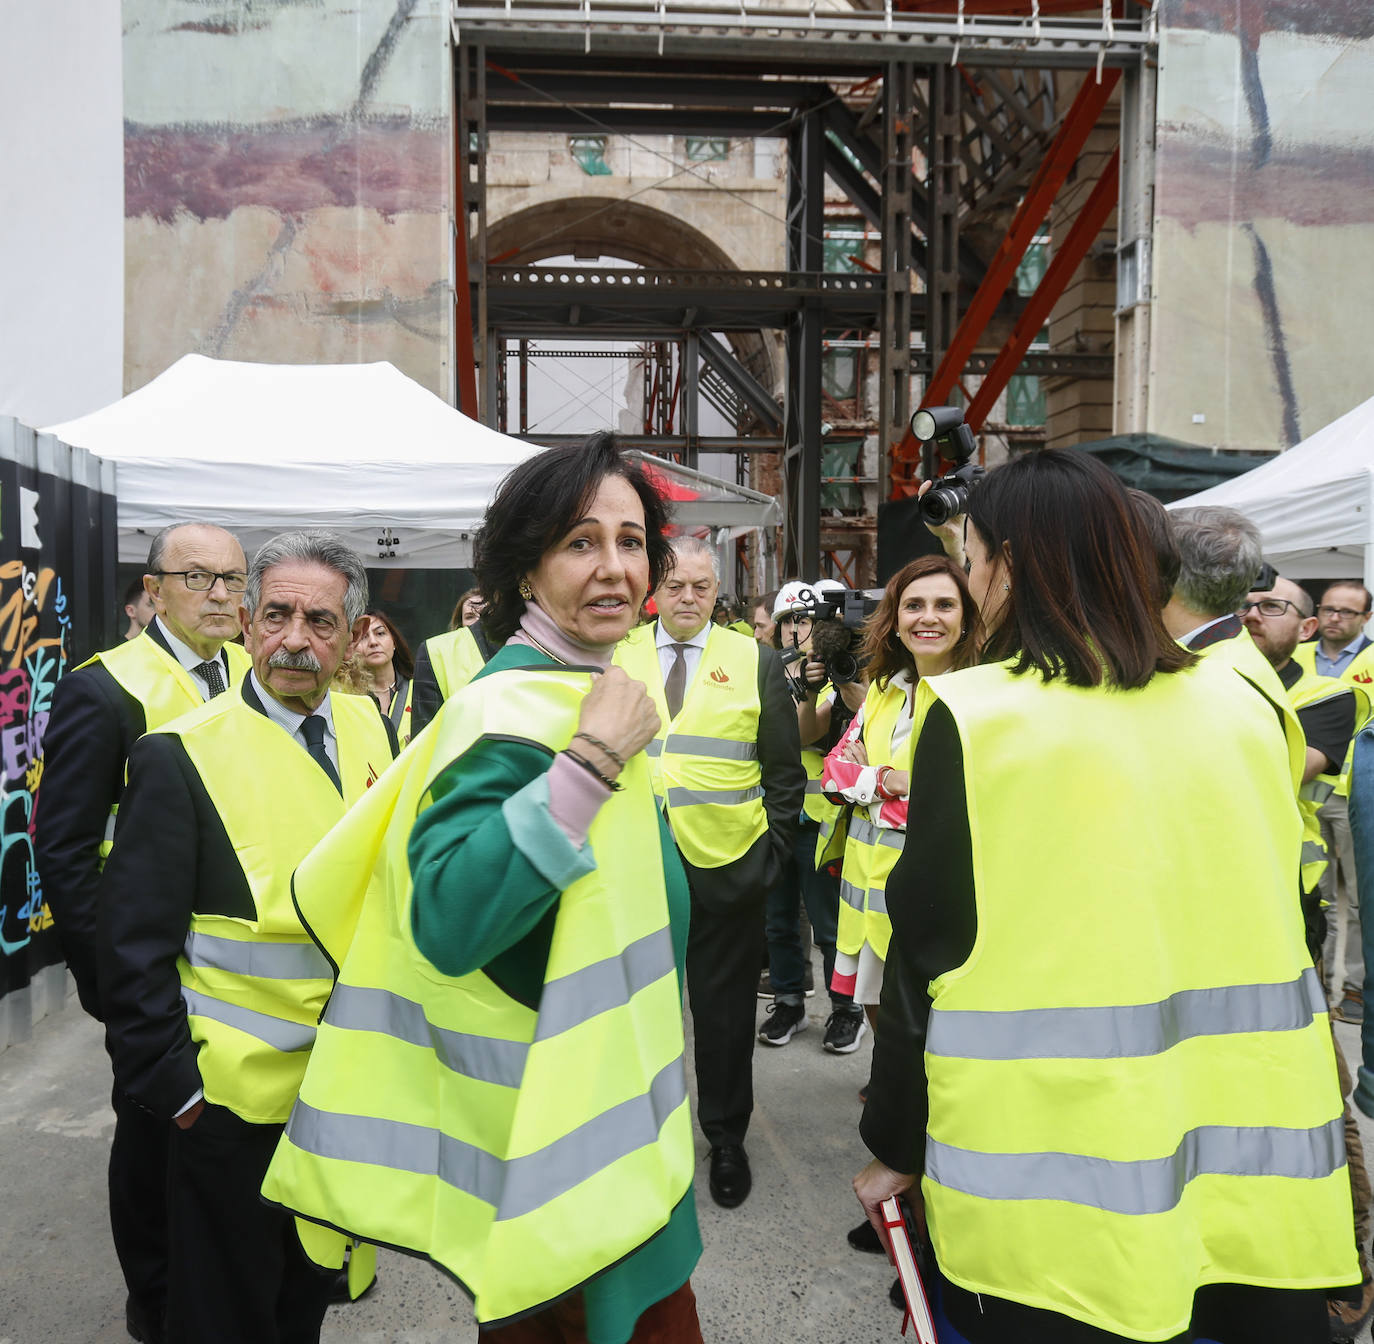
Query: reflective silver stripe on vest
[
  {"x": 877, "y": 901},
  {"x": 1155, "y": 1185},
  {"x": 814, "y": 786},
  {"x": 866, "y": 833},
  {"x": 851, "y": 895},
  {"x": 274, "y": 1031},
  {"x": 607, "y": 984},
  {"x": 267, "y": 961},
  {"x": 655, "y": 748},
  {"x": 721, "y": 797},
  {"x": 1126, "y": 1031},
  {"x": 515, "y": 1187},
  {"x": 1316, "y": 790},
  {"x": 488, "y": 1059},
  {"x": 722, "y": 748},
  {"x": 110, "y": 825},
  {"x": 1313, "y": 851}
]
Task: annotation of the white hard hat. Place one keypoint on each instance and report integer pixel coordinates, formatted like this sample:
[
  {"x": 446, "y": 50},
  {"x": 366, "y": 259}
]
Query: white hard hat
[
  {"x": 792, "y": 594},
  {"x": 828, "y": 586}
]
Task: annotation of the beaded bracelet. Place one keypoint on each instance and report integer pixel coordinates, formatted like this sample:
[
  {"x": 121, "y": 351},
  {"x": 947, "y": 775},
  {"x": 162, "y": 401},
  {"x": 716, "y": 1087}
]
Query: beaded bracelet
[
  {"x": 613, "y": 784},
  {"x": 601, "y": 746}
]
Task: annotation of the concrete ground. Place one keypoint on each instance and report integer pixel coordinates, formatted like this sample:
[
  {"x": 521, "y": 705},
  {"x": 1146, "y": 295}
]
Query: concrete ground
[{"x": 777, "y": 1268}]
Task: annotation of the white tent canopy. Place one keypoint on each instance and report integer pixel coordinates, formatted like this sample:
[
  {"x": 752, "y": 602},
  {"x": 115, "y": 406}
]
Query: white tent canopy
[
  {"x": 360, "y": 448},
  {"x": 1313, "y": 504}
]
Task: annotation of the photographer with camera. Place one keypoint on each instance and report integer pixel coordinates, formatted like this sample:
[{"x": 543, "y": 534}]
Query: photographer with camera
[{"x": 824, "y": 710}]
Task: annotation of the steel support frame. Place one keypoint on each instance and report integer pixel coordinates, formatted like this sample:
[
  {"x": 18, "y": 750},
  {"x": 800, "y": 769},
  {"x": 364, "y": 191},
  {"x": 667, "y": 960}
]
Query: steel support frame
[
  {"x": 803, "y": 340},
  {"x": 942, "y": 273},
  {"x": 471, "y": 329},
  {"x": 1087, "y": 225},
  {"x": 894, "y": 357}
]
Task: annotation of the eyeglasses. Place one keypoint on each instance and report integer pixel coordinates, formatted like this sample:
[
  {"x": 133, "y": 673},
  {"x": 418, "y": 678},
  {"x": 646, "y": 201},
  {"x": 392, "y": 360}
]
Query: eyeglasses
[
  {"x": 1344, "y": 613},
  {"x": 202, "y": 580},
  {"x": 1269, "y": 606}
]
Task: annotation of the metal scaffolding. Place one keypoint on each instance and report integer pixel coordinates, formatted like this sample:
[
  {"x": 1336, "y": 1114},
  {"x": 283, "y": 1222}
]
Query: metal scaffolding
[{"x": 971, "y": 96}]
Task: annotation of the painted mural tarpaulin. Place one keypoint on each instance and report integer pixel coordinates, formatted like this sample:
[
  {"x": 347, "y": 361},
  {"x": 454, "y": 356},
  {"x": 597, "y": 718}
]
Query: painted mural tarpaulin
[
  {"x": 1264, "y": 199},
  {"x": 57, "y": 568}
]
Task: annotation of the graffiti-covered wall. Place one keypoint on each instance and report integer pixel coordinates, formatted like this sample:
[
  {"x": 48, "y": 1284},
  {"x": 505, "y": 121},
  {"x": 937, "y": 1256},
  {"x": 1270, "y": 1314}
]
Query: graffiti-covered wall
[
  {"x": 57, "y": 567},
  {"x": 1264, "y": 228},
  {"x": 287, "y": 183}
]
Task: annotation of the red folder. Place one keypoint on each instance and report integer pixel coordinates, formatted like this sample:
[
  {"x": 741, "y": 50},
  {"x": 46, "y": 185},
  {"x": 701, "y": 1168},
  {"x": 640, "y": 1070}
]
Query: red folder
[{"x": 917, "y": 1307}]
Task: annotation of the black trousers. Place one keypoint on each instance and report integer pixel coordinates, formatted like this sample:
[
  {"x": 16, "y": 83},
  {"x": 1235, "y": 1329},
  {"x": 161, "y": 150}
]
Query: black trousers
[
  {"x": 236, "y": 1271},
  {"x": 1226, "y": 1312},
  {"x": 724, "y": 949},
  {"x": 138, "y": 1209}
]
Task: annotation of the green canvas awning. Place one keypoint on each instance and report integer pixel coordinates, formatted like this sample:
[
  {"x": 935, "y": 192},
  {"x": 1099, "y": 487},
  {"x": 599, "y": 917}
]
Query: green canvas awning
[{"x": 1167, "y": 468}]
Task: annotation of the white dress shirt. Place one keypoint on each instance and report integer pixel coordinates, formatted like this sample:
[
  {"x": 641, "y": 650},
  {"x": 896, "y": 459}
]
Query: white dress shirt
[
  {"x": 291, "y": 721},
  {"x": 190, "y": 660},
  {"x": 667, "y": 655}
]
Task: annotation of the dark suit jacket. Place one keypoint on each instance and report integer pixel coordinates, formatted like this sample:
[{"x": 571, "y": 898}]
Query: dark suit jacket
[
  {"x": 93, "y": 724},
  {"x": 426, "y": 698},
  {"x": 172, "y": 858},
  {"x": 758, "y": 870},
  {"x": 1227, "y": 628}
]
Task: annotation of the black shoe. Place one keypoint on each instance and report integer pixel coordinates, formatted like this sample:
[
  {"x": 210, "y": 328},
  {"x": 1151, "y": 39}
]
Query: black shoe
[
  {"x": 865, "y": 1238},
  {"x": 339, "y": 1292},
  {"x": 137, "y": 1324},
  {"x": 785, "y": 1020},
  {"x": 896, "y": 1296},
  {"x": 844, "y": 1029},
  {"x": 730, "y": 1178}
]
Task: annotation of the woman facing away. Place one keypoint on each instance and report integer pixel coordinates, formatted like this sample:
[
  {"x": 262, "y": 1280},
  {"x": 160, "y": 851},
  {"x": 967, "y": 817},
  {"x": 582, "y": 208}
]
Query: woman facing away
[
  {"x": 1104, "y": 1075},
  {"x": 498, "y": 1082}
]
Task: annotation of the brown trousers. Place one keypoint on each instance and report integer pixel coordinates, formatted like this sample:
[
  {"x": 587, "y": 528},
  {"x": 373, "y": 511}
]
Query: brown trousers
[{"x": 672, "y": 1320}]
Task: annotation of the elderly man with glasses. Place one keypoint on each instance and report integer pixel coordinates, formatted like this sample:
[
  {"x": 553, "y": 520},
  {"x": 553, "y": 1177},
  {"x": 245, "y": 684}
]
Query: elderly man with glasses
[{"x": 195, "y": 578}]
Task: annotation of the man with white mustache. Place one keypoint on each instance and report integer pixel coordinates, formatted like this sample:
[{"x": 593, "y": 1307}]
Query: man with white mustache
[{"x": 210, "y": 983}]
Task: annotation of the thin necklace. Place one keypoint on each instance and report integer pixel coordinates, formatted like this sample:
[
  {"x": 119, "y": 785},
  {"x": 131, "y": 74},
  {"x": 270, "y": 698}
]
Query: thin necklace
[{"x": 548, "y": 653}]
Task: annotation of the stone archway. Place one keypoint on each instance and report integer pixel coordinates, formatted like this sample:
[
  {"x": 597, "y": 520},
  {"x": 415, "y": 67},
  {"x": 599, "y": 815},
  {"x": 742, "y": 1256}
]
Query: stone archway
[{"x": 588, "y": 227}]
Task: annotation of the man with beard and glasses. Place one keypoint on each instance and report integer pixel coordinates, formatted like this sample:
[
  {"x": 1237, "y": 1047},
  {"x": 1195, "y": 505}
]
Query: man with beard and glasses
[{"x": 210, "y": 985}]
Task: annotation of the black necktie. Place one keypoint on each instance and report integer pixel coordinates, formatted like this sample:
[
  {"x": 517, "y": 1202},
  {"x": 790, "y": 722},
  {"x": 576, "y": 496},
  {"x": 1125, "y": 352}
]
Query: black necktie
[
  {"x": 675, "y": 687},
  {"x": 212, "y": 677},
  {"x": 312, "y": 729}
]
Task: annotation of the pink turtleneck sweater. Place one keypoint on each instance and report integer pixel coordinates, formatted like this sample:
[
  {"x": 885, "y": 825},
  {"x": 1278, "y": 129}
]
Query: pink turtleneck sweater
[{"x": 575, "y": 794}]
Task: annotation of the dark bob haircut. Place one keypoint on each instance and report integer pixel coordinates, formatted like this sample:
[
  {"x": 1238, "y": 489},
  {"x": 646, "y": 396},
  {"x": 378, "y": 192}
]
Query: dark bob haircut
[
  {"x": 402, "y": 660},
  {"x": 1157, "y": 536},
  {"x": 1084, "y": 597},
  {"x": 534, "y": 507},
  {"x": 886, "y": 654}
]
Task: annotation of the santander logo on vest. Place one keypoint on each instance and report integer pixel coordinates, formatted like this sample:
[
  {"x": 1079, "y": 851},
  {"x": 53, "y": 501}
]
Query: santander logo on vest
[{"x": 720, "y": 676}]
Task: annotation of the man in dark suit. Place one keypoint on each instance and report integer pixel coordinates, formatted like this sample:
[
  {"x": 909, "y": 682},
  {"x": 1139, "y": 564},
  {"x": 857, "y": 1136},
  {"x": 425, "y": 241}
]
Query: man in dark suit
[
  {"x": 194, "y": 577},
  {"x": 732, "y": 784},
  {"x": 210, "y": 985}
]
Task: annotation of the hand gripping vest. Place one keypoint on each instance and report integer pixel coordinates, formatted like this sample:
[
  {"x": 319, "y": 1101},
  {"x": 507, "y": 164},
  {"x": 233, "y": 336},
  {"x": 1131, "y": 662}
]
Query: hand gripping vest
[
  {"x": 1240, "y": 653},
  {"x": 871, "y": 852},
  {"x": 522, "y": 1151},
  {"x": 1131, "y": 1079},
  {"x": 706, "y": 761},
  {"x": 254, "y": 988},
  {"x": 1358, "y": 676},
  {"x": 162, "y": 686}
]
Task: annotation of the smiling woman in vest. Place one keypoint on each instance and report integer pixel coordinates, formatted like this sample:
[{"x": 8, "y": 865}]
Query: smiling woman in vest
[
  {"x": 925, "y": 624},
  {"x": 499, "y": 1083},
  {"x": 1128, "y": 1122}
]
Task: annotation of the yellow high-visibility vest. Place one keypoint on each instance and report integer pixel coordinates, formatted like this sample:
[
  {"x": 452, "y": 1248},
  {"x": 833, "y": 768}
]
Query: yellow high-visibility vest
[
  {"x": 871, "y": 852},
  {"x": 523, "y": 1150},
  {"x": 455, "y": 658},
  {"x": 1123, "y": 1106},
  {"x": 162, "y": 686},
  {"x": 254, "y": 988},
  {"x": 706, "y": 761},
  {"x": 1242, "y": 654},
  {"x": 1359, "y": 674}
]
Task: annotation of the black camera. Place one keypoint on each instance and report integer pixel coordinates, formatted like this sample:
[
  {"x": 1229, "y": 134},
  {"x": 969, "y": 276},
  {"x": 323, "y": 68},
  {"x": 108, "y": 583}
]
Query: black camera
[
  {"x": 944, "y": 427},
  {"x": 837, "y": 619}
]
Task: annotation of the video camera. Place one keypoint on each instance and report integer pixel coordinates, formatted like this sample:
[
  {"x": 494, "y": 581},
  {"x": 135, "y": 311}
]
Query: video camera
[
  {"x": 944, "y": 427},
  {"x": 837, "y": 619}
]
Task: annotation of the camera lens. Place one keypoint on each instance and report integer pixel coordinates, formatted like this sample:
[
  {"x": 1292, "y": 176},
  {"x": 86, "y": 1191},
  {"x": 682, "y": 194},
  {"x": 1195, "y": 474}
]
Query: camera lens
[{"x": 943, "y": 503}]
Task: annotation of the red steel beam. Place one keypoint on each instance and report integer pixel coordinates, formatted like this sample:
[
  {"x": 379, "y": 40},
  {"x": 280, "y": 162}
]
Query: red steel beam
[
  {"x": 1035, "y": 205},
  {"x": 1094, "y": 214}
]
